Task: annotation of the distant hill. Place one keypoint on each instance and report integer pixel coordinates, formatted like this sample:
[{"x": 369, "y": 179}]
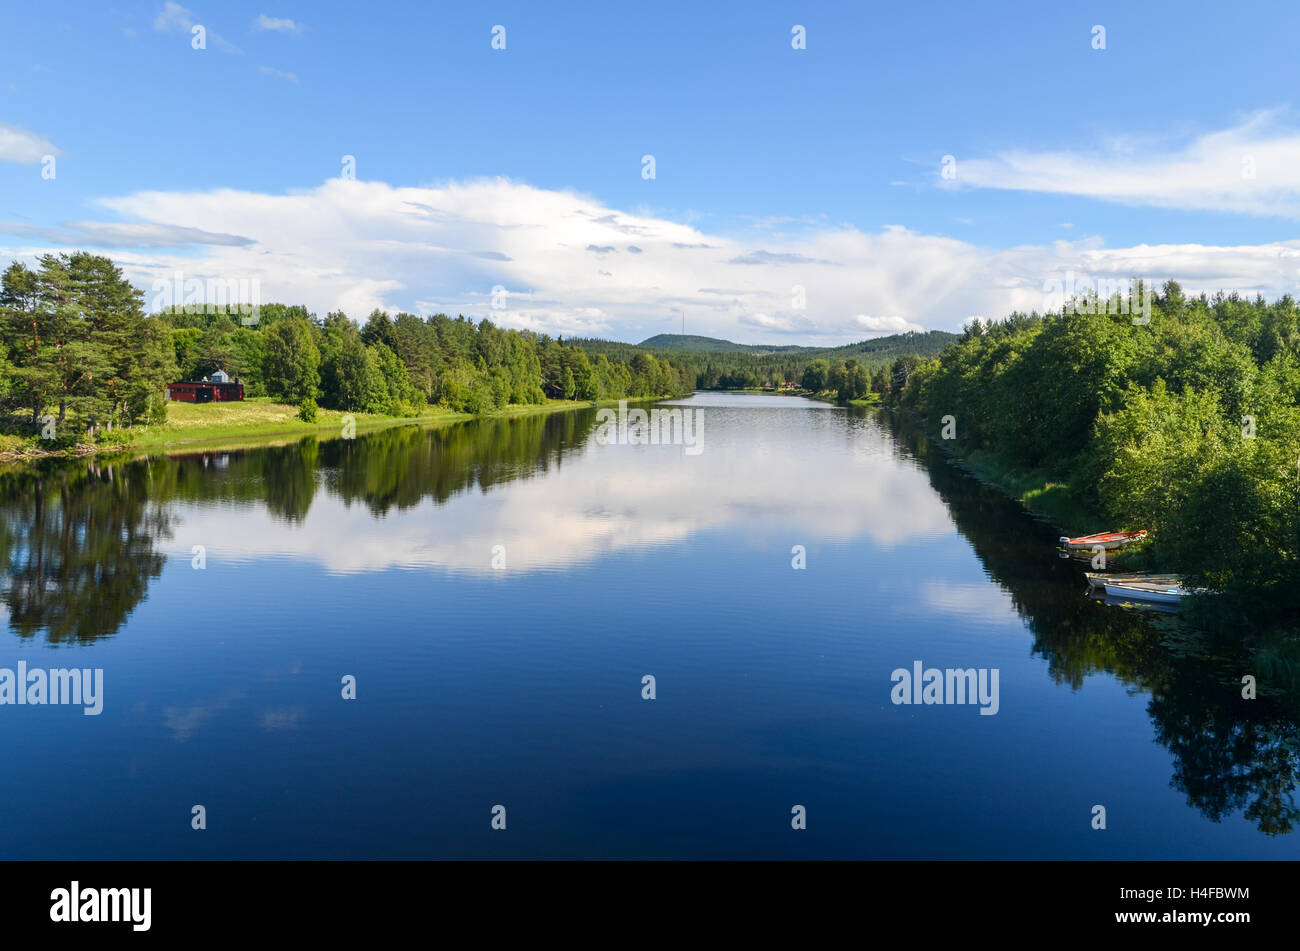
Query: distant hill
[
  {"x": 925, "y": 344},
  {"x": 722, "y": 364},
  {"x": 690, "y": 343},
  {"x": 873, "y": 351}
]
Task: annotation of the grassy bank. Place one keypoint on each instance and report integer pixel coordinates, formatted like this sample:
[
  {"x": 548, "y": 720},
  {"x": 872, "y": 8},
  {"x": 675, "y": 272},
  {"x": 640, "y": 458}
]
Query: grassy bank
[
  {"x": 193, "y": 427},
  {"x": 1045, "y": 494},
  {"x": 1048, "y": 495},
  {"x": 198, "y": 425},
  {"x": 825, "y": 396}
]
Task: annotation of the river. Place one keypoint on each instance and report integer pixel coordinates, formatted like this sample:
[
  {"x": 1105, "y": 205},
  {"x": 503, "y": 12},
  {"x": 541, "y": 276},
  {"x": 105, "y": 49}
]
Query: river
[{"x": 496, "y": 593}]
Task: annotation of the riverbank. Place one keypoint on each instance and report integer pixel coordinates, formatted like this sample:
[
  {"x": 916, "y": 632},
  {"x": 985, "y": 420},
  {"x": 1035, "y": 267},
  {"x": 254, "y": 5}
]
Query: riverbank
[
  {"x": 1043, "y": 494},
  {"x": 829, "y": 397},
  {"x": 260, "y": 421},
  {"x": 825, "y": 396},
  {"x": 1048, "y": 496}
]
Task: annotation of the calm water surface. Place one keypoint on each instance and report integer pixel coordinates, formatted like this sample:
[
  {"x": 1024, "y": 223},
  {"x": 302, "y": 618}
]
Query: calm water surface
[{"x": 522, "y": 686}]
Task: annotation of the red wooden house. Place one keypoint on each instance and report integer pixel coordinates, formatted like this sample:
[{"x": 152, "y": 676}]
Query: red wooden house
[{"x": 218, "y": 388}]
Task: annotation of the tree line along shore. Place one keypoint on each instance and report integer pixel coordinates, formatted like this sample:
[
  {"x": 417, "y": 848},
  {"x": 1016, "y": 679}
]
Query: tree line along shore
[
  {"x": 1185, "y": 422},
  {"x": 83, "y": 368},
  {"x": 82, "y": 364}
]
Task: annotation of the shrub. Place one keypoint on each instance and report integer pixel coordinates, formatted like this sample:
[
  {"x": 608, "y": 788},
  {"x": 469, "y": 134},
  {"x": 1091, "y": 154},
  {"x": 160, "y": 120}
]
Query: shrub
[
  {"x": 113, "y": 437},
  {"x": 307, "y": 410}
]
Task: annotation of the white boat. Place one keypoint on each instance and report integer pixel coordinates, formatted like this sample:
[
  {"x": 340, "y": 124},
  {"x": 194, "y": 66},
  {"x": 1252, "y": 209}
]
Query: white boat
[
  {"x": 1158, "y": 589},
  {"x": 1098, "y": 579}
]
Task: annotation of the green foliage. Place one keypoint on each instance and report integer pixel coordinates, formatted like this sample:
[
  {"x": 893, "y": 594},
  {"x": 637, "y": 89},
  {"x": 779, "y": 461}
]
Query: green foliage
[
  {"x": 307, "y": 410},
  {"x": 292, "y": 360},
  {"x": 721, "y": 365},
  {"x": 75, "y": 344},
  {"x": 815, "y": 376},
  {"x": 1187, "y": 426},
  {"x": 113, "y": 438},
  {"x": 854, "y": 382}
]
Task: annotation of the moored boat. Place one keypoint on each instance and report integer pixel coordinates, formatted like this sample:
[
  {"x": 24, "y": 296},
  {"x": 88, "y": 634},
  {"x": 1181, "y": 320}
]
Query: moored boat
[
  {"x": 1097, "y": 579},
  {"x": 1106, "y": 540},
  {"x": 1159, "y": 589}
]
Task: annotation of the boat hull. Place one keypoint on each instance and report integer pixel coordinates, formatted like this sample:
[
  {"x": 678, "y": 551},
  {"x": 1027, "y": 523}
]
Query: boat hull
[
  {"x": 1154, "y": 594},
  {"x": 1098, "y": 580},
  {"x": 1108, "y": 541}
]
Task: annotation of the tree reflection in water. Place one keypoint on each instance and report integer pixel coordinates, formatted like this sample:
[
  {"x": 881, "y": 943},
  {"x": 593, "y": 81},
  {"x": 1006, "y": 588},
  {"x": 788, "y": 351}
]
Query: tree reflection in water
[
  {"x": 1230, "y": 754},
  {"x": 79, "y": 545}
]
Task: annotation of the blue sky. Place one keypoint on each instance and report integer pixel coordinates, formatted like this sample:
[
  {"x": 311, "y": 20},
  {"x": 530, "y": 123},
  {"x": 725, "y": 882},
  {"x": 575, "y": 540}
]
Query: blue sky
[{"x": 775, "y": 168}]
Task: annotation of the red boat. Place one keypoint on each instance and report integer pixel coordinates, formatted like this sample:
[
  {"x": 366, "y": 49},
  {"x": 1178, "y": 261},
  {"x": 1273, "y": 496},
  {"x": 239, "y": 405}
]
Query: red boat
[{"x": 1106, "y": 540}]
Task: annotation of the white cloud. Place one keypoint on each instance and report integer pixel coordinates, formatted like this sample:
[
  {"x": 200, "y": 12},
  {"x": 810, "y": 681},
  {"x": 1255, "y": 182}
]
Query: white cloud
[
  {"x": 887, "y": 325},
  {"x": 985, "y": 602},
  {"x": 268, "y": 24},
  {"x": 174, "y": 18},
  {"x": 278, "y": 74},
  {"x": 1253, "y": 168},
  {"x": 781, "y": 323},
  {"x": 25, "y": 148},
  {"x": 117, "y": 234},
  {"x": 611, "y": 499},
  {"x": 357, "y": 245}
]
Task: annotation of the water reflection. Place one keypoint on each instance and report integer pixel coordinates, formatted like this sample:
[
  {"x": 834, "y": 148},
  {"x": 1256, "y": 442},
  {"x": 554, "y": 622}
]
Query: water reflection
[
  {"x": 1230, "y": 754},
  {"x": 81, "y": 542},
  {"x": 608, "y": 499},
  {"x": 79, "y": 545}
]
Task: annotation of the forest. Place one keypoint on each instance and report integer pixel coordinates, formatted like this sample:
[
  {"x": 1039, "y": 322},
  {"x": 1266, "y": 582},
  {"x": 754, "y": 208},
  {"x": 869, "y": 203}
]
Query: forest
[
  {"x": 1187, "y": 425},
  {"x": 78, "y": 354},
  {"x": 723, "y": 365}
]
